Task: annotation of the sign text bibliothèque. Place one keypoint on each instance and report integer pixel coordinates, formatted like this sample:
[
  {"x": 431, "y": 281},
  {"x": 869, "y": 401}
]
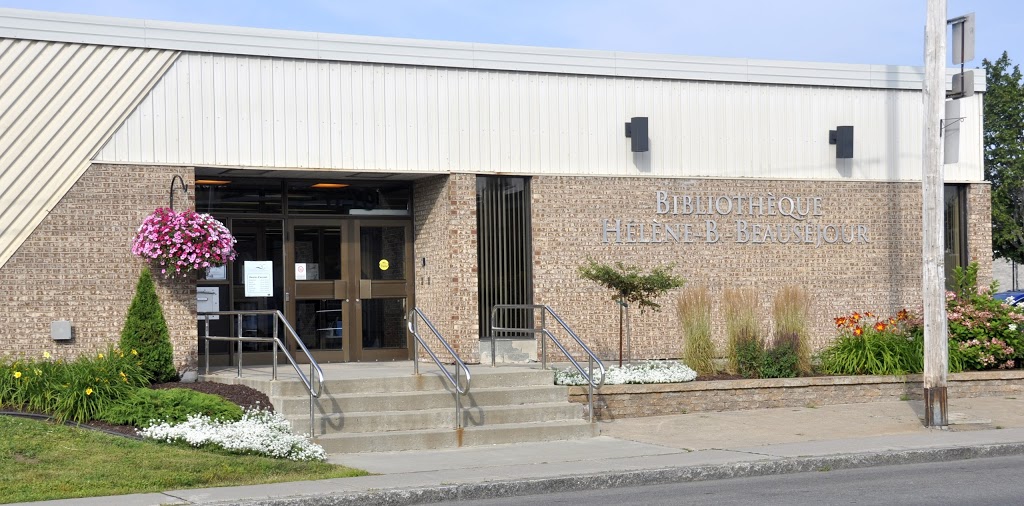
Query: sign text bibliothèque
[{"x": 747, "y": 219}]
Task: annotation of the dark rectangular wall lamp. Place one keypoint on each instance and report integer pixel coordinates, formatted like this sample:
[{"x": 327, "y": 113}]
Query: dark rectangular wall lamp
[
  {"x": 636, "y": 130},
  {"x": 842, "y": 137}
]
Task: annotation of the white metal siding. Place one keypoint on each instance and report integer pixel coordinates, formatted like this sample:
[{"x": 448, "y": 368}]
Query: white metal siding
[
  {"x": 58, "y": 103},
  {"x": 244, "y": 111},
  {"x": 212, "y": 39}
]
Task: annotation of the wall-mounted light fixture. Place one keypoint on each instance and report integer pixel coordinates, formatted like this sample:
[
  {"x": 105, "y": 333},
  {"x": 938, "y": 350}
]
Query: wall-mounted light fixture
[
  {"x": 636, "y": 130},
  {"x": 842, "y": 137}
]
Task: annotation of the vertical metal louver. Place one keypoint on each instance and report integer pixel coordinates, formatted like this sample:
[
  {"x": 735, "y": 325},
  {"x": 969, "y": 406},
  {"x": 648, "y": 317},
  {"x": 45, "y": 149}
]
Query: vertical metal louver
[{"x": 503, "y": 248}]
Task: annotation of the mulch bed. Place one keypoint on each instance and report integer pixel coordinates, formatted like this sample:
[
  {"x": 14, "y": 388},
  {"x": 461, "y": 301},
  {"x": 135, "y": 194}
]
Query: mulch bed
[{"x": 246, "y": 397}]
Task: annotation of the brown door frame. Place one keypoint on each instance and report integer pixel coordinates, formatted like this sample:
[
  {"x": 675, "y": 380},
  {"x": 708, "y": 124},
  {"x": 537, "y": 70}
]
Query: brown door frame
[
  {"x": 350, "y": 289},
  {"x": 370, "y": 289}
]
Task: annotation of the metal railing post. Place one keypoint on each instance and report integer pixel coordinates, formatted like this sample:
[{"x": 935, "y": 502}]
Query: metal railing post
[
  {"x": 273, "y": 370},
  {"x": 415, "y": 353},
  {"x": 458, "y": 399},
  {"x": 543, "y": 342},
  {"x": 238, "y": 322},
  {"x": 207, "y": 319},
  {"x": 590, "y": 388}
]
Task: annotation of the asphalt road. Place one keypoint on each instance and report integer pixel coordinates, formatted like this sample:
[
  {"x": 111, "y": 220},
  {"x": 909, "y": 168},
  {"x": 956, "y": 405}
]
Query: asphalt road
[{"x": 989, "y": 481}]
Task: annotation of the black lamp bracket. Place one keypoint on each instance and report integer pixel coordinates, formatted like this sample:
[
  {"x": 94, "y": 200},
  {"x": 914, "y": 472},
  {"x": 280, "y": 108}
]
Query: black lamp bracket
[{"x": 184, "y": 188}]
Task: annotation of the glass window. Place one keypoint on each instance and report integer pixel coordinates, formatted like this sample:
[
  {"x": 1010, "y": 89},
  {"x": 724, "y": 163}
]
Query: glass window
[
  {"x": 955, "y": 232},
  {"x": 223, "y": 196},
  {"x": 382, "y": 252},
  {"x": 316, "y": 198}
]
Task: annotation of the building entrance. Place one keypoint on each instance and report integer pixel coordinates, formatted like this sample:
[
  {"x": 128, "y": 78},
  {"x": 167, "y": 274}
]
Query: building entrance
[
  {"x": 348, "y": 287},
  {"x": 336, "y": 260}
]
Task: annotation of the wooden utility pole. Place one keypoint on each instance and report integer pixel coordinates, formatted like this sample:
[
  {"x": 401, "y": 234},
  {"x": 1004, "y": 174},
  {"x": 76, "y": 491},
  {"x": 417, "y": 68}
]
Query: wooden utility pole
[{"x": 936, "y": 344}]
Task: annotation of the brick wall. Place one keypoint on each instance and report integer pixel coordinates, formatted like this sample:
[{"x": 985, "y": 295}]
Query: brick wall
[
  {"x": 445, "y": 256},
  {"x": 874, "y": 265},
  {"x": 633, "y": 401},
  {"x": 979, "y": 233},
  {"x": 78, "y": 266}
]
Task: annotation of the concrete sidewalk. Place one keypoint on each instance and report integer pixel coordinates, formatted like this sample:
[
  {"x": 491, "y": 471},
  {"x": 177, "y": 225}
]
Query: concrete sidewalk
[{"x": 698, "y": 446}]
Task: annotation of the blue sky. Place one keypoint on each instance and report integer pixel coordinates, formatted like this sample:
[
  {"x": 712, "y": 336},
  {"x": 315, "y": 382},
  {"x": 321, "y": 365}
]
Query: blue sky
[{"x": 847, "y": 31}]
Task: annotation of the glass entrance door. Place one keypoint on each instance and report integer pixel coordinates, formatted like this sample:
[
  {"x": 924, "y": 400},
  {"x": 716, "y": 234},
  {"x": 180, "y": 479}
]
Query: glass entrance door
[{"x": 349, "y": 287}]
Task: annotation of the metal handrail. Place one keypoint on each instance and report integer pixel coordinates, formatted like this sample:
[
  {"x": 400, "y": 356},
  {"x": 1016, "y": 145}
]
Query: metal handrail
[
  {"x": 314, "y": 391},
  {"x": 460, "y": 365},
  {"x": 545, "y": 310}
]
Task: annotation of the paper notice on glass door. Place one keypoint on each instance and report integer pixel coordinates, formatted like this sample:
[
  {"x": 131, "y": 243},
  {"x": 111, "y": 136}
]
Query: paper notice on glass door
[{"x": 259, "y": 279}]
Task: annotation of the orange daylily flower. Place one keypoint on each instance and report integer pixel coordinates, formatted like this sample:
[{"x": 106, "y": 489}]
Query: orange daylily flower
[
  {"x": 857, "y": 331},
  {"x": 880, "y": 327}
]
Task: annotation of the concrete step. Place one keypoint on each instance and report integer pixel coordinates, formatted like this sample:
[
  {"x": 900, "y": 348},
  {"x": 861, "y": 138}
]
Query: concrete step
[
  {"x": 387, "y": 421},
  {"x": 430, "y": 379},
  {"x": 419, "y": 400},
  {"x": 449, "y": 438}
]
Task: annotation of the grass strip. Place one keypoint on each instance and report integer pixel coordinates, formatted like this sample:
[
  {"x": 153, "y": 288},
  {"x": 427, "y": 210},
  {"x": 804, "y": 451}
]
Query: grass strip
[{"x": 45, "y": 461}]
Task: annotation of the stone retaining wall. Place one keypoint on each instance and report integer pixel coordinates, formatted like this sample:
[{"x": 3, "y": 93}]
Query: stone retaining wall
[{"x": 632, "y": 401}]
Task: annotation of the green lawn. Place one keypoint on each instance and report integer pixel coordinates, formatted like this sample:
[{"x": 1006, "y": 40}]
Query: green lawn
[{"x": 42, "y": 461}]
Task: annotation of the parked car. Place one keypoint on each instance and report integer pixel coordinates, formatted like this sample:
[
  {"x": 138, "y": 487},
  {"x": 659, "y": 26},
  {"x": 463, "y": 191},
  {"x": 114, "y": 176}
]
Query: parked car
[{"x": 1010, "y": 297}]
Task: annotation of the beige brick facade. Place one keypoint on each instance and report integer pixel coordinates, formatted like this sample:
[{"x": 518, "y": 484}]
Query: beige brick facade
[
  {"x": 78, "y": 266},
  {"x": 873, "y": 264},
  {"x": 445, "y": 257}
]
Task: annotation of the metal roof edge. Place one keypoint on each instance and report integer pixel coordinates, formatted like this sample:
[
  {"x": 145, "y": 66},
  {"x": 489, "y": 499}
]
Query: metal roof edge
[{"x": 102, "y": 30}]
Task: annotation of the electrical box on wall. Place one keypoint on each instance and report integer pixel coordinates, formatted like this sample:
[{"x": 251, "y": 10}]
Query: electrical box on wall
[{"x": 60, "y": 330}]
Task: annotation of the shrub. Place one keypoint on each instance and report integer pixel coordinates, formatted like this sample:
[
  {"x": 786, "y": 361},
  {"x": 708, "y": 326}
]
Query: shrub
[
  {"x": 651, "y": 371},
  {"x": 694, "y": 306},
  {"x": 782, "y": 360},
  {"x": 742, "y": 327},
  {"x": 869, "y": 344},
  {"x": 145, "y": 331},
  {"x": 146, "y": 406},
  {"x": 986, "y": 331},
  {"x": 257, "y": 432},
  {"x": 790, "y": 309},
  {"x": 750, "y": 356},
  {"x": 76, "y": 390}
]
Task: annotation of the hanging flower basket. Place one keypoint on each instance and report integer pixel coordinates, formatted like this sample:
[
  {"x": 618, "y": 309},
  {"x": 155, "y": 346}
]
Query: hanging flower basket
[{"x": 177, "y": 244}]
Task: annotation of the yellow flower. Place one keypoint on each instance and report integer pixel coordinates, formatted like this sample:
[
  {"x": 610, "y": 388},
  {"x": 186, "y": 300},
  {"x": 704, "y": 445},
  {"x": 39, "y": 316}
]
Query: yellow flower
[
  {"x": 135, "y": 353},
  {"x": 46, "y": 354},
  {"x": 39, "y": 372},
  {"x": 17, "y": 374},
  {"x": 101, "y": 355},
  {"x": 88, "y": 391}
]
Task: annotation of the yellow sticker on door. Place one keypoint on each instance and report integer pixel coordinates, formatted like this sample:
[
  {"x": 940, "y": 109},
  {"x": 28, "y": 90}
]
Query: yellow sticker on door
[{"x": 383, "y": 264}]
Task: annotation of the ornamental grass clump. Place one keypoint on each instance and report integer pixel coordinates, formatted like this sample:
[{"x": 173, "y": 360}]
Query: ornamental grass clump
[
  {"x": 790, "y": 308},
  {"x": 694, "y": 308},
  {"x": 744, "y": 345},
  {"x": 257, "y": 432},
  {"x": 177, "y": 244}
]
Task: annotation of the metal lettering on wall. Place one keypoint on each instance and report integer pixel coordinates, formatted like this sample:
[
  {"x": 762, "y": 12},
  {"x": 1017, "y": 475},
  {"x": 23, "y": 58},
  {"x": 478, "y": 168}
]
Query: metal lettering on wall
[{"x": 738, "y": 218}]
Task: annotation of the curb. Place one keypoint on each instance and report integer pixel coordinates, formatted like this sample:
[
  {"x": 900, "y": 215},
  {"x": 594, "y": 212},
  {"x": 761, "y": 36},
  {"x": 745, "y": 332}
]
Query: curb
[{"x": 496, "y": 489}]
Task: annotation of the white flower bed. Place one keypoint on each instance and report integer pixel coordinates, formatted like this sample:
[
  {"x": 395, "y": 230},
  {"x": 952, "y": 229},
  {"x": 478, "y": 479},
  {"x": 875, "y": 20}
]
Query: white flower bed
[
  {"x": 655, "y": 371},
  {"x": 259, "y": 432}
]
